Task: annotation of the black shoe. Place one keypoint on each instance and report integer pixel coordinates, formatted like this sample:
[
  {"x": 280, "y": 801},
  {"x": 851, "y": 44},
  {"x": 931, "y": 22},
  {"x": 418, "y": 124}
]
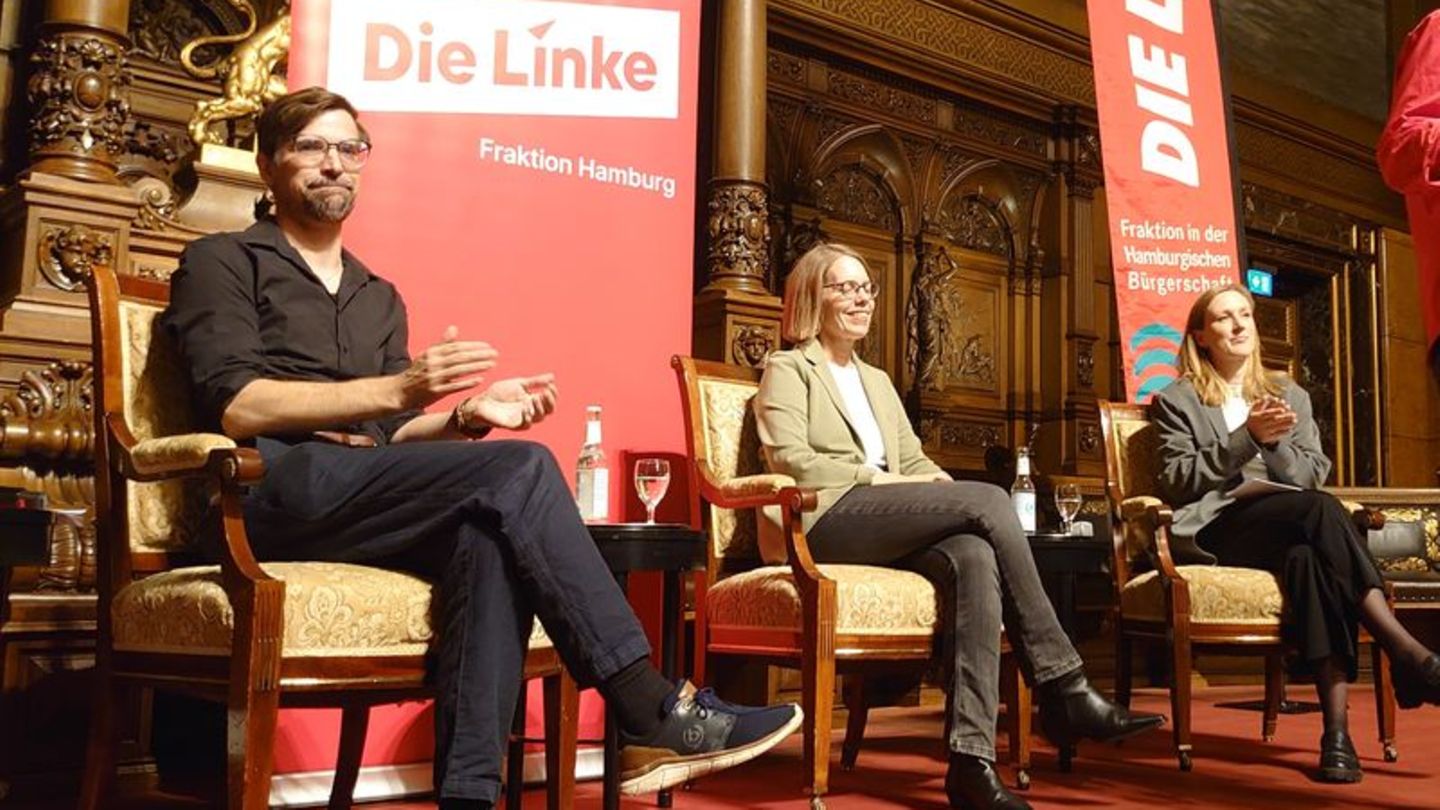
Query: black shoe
[
  {"x": 701, "y": 734},
  {"x": 1338, "y": 760},
  {"x": 1071, "y": 710},
  {"x": 972, "y": 784},
  {"x": 1417, "y": 685}
]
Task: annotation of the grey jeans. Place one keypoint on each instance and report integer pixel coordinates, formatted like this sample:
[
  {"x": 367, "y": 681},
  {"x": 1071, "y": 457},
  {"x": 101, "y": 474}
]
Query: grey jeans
[{"x": 963, "y": 537}]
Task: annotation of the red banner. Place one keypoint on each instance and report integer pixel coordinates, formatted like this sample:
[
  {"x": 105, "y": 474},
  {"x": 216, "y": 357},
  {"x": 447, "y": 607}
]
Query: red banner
[
  {"x": 1164, "y": 135},
  {"x": 533, "y": 183}
]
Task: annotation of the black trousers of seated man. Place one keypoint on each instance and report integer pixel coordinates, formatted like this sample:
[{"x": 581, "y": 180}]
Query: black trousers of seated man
[{"x": 494, "y": 524}]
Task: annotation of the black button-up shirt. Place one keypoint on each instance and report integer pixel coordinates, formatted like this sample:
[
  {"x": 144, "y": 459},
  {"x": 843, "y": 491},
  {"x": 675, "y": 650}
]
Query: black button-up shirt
[{"x": 245, "y": 306}]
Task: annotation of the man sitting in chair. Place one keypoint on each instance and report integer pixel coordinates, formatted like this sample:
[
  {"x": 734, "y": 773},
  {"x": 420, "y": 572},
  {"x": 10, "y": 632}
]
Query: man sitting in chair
[{"x": 293, "y": 345}]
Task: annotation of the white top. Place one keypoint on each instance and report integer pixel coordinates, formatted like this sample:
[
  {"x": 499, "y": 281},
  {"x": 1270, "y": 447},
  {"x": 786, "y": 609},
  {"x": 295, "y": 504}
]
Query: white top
[
  {"x": 862, "y": 416},
  {"x": 1236, "y": 409}
]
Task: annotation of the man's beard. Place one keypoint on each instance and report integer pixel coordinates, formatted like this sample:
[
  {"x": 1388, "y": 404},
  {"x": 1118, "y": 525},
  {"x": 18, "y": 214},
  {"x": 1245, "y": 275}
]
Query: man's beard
[{"x": 328, "y": 207}]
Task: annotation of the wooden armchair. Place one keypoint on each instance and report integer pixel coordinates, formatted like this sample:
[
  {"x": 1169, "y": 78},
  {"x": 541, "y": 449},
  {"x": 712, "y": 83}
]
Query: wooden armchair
[
  {"x": 253, "y": 637},
  {"x": 862, "y": 619},
  {"x": 1218, "y": 608}
]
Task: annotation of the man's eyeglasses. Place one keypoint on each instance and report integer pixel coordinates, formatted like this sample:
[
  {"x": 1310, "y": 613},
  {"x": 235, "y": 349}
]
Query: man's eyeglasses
[
  {"x": 312, "y": 149},
  {"x": 852, "y": 288}
]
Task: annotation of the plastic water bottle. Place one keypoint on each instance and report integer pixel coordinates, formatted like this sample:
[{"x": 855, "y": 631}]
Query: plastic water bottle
[
  {"x": 592, "y": 473},
  {"x": 1022, "y": 493}
]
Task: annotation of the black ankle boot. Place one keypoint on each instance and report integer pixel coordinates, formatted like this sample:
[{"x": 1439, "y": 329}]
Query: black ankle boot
[
  {"x": 1338, "y": 760},
  {"x": 972, "y": 784},
  {"x": 1071, "y": 710},
  {"x": 1417, "y": 685}
]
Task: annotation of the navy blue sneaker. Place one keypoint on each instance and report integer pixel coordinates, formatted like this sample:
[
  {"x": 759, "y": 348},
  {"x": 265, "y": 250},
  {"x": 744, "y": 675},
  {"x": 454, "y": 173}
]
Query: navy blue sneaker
[{"x": 701, "y": 734}]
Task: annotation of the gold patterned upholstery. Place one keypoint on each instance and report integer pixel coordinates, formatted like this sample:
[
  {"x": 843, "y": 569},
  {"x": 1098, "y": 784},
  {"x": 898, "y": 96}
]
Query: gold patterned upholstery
[
  {"x": 1218, "y": 594},
  {"x": 868, "y": 600},
  {"x": 163, "y": 516},
  {"x": 330, "y": 609},
  {"x": 733, "y": 448},
  {"x": 175, "y": 453}
]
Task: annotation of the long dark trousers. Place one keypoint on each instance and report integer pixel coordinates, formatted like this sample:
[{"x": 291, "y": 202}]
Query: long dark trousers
[
  {"x": 1308, "y": 541},
  {"x": 963, "y": 537},
  {"x": 495, "y": 525}
]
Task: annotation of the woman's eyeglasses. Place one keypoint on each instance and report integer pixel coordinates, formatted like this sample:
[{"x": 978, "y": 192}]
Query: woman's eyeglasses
[{"x": 853, "y": 288}]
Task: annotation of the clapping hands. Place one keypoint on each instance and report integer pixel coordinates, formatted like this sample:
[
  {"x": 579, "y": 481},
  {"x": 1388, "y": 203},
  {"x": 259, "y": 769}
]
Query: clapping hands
[{"x": 1271, "y": 419}]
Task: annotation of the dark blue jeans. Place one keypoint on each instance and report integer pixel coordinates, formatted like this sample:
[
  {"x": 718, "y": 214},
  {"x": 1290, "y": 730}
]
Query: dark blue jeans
[{"x": 493, "y": 523}]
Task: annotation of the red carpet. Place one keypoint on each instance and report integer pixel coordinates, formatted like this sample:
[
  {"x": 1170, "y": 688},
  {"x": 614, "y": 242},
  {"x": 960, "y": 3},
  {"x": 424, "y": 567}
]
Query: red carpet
[{"x": 901, "y": 766}]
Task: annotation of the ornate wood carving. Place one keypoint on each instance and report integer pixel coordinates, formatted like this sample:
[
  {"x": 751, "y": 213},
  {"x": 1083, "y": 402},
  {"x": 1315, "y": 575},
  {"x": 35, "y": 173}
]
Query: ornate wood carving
[
  {"x": 1301, "y": 220},
  {"x": 750, "y": 344},
  {"x": 940, "y": 431},
  {"x": 972, "y": 222},
  {"x": 881, "y": 97},
  {"x": 79, "y": 91},
  {"x": 67, "y": 255},
  {"x": 160, "y": 28},
  {"x": 854, "y": 195},
  {"x": 48, "y": 419},
  {"x": 947, "y": 33},
  {"x": 785, "y": 67},
  {"x": 799, "y": 237},
  {"x": 997, "y": 129},
  {"x": 937, "y": 349},
  {"x": 1085, "y": 363},
  {"x": 739, "y": 234}
]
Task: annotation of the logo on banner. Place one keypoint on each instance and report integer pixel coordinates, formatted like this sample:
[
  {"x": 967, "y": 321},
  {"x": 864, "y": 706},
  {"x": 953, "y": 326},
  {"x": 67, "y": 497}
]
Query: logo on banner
[
  {"x": 516, "y": 58},
  {"x": 1156, "y": 349}
]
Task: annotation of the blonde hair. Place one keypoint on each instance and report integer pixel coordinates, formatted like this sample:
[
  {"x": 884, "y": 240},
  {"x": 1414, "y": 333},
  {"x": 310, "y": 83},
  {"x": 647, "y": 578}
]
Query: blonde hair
[
  {"x": 804, "y": 289},
  {"x": 1196, "y": 366}
]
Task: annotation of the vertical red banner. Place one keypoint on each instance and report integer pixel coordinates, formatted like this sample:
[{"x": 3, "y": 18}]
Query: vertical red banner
[
  {"x": 1169, "y": 189},
  {"x": 532, "y": 182}
]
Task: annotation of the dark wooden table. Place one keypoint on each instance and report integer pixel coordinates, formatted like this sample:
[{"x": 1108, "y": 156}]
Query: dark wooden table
[
  {"x": 674, "y": 550},
  {"x": 1061, "y": 558}
]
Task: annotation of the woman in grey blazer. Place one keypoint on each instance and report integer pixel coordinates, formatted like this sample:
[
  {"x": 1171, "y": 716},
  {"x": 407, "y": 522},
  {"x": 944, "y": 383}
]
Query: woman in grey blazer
[
  {"x": 836, "y": 424},
  {"x": 1228, "y": 420}
]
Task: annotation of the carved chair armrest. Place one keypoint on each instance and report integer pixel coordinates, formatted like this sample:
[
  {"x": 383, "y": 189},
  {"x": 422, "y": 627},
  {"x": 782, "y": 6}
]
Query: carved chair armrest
[
  {"x": 749, "y": 491},
  {"x": 1153, "y": 517},
  {"x": 772, "y": 489}
]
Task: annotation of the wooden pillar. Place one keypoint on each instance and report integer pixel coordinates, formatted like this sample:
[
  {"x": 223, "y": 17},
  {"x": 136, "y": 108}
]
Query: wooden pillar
[
  {"x": 736, "y": 317},
  {"x": 79, "y": 89},
  {"x": 1078, "y": 438}
]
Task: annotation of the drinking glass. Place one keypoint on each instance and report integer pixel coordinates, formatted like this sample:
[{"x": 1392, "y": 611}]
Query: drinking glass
[
  {"x": 1067, "y": 503},
  {"x": 652, "y": 479}
]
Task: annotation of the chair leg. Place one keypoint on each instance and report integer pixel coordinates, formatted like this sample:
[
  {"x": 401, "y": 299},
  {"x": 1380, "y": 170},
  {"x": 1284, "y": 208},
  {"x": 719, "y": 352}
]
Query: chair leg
[
  {"x": 1384, "y": 700},
  {"x": 859, "y": 712},
  {"x": 1018, "y": 718},
  {"x": 562, "y": 732},
  {"x": 354, "y": 720},
  {"x": 818, "y": 699},
  {"x": 1274, "y": 694},
  {"x": 1124, "y": 675},
  {"x": 1180, "y": 695},
  {"x": 515, "y": 751},
  {"x": 250, "y": 747},
  {"x": 98, "y": 782}
]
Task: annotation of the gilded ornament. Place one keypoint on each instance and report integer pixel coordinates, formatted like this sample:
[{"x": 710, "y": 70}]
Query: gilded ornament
[{"x": 249, "y": 72}]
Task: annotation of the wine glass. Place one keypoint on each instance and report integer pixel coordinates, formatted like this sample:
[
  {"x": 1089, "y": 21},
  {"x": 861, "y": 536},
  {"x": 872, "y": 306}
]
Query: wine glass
[
  {"x": 652, "y": 479},
  {"x": 1067, "y": 503}
]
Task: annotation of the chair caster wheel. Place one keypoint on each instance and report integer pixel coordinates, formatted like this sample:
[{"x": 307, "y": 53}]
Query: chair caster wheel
[
  {"x": 1022, "y": 780},
  {"x": 1185, "y": 764},
  {"x": 1391, "y": 755}
]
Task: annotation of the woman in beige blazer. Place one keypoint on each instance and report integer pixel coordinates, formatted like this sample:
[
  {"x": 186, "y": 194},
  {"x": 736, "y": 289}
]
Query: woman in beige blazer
[
  {"x": 1228, "y": 420},
  {"x": 836, "y": 425}
]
